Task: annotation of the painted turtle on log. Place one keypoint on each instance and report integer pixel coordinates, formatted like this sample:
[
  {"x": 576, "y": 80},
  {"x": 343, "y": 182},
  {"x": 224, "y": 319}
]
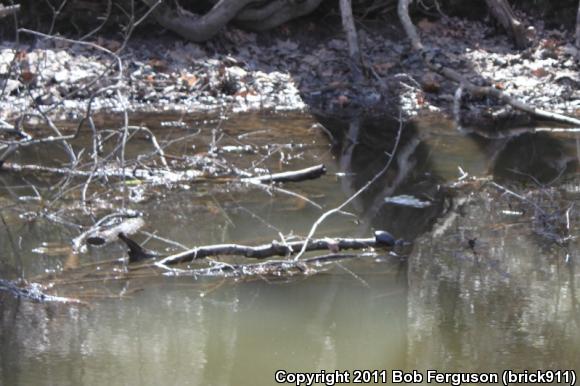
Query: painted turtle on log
[{"x": 385, "y": 238}]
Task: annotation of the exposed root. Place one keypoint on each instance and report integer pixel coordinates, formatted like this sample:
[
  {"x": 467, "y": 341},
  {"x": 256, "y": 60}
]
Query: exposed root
[
  {"x": 351, "y": 37},
  {"x": 195, "y": 27},
  {"x": 501, "y": 10},
  {"x": 199, "y": 28},
  {"x": 430, "y": 60},
  {"x": 290, "y": 10},
  {"x": 253, "y": 14}
]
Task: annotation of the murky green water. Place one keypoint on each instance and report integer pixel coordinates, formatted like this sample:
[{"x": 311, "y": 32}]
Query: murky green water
[{"x": 507, "y": 300}]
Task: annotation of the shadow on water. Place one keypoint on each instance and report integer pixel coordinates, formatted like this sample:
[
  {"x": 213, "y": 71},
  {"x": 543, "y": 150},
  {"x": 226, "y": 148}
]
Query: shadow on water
[
  {"x": 489, "y": 288},
  {"x": 363, "y": 149},
  {"x": 480, "y": 289}
]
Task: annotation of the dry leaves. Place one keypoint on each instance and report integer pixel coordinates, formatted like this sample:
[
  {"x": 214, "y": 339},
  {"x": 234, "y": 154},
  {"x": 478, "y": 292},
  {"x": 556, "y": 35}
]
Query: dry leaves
[{"x": 539, "y": 72}]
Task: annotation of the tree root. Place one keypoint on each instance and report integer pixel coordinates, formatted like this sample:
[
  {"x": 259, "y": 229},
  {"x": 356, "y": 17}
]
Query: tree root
[
  {"x": 254, "y": 14},
  {"x": 195, "y": 27},
  {"x": 290, "y": 10},
  {"x": 429, "y": 60},
  {"x": 501, "y": 10},
  {"x": 199, "y": 28},
  {"x": 351, "y": 37}
]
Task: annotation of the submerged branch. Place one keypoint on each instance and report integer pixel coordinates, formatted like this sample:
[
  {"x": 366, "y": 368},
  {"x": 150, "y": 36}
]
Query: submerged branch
[
  {"x": 275, "y": 268},
  {"x": 310, "y": 173},
  {"x": 35, "y": 293}
]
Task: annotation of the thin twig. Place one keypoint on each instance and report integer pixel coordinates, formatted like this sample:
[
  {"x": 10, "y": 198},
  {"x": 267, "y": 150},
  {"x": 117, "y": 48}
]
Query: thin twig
[{"x": 354, "y": 196}]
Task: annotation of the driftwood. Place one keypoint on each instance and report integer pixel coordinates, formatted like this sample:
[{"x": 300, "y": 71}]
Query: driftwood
[
  {"x": 165, "y": 176},
  {"x": 291, "y": 176},
  {"x": 429, "y": 60},
  {"x": 144, "y": 264},
  {"x": 265, "y": 250}
]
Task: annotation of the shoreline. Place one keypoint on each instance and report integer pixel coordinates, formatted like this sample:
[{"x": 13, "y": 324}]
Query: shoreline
[{"x": 243, "y": 72}]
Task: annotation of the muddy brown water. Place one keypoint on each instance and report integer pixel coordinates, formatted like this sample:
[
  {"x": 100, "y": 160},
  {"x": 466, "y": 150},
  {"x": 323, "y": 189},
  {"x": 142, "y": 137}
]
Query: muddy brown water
[{"x": 505, "y": 300}]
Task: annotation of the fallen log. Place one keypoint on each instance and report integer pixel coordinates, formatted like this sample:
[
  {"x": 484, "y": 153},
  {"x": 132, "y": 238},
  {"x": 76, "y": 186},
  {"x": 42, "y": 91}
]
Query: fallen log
[
  {"x": 382, "y": 239},
  {"x": 165, "y": 176}
]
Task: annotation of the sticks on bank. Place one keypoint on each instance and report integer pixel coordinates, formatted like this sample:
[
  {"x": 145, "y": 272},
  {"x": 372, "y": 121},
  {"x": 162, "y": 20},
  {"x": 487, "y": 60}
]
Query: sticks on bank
[{"x": 429, "y": 60}]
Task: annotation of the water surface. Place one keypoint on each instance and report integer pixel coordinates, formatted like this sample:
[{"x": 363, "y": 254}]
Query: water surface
[{"x": 508, "y": 301}]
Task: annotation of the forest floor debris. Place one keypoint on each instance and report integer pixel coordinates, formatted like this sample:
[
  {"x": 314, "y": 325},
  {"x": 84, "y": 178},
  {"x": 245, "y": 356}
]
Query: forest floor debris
[{"x": 291, "y": 70}]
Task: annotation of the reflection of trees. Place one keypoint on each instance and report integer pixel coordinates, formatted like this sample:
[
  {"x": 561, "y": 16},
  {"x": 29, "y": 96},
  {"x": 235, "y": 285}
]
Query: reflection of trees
[
  {"x": 236, "y": 335},
  {"x": 362, "y": 147},
  {"x": 539, "y": 158},
  {"x": 501, "y": 302}
]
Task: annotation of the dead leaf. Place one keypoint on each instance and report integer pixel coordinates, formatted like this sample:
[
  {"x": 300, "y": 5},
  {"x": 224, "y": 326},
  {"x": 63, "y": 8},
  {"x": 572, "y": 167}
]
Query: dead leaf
[
  {"x": 189, "y": 79},
  {"x": 72, "y": 261},
  {"x": 342, "y": 100},
  {"x": 213, "y": 209},
  {"x": 20, "y": 55},
  {"x": 539, "y": 72},
  {"x": 420, "y": 99},
  {"x": 431, "y": 82},
  {"x": 427, "y": 26},
  {"x": 158, "y": 64},
  {"x": 111, "y": 45},
  {"x": 383, "y": 68},
  {"x": 27, "y": 76},
  {"x": 550, "y": 43}
]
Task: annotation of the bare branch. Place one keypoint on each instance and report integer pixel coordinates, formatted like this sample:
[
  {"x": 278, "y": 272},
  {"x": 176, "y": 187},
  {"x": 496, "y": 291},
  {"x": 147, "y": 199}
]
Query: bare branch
[
  {"x": 268, "y": 250},
  {"x": 455, "y": 76},
  {"x": 339, "y": 208}
]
